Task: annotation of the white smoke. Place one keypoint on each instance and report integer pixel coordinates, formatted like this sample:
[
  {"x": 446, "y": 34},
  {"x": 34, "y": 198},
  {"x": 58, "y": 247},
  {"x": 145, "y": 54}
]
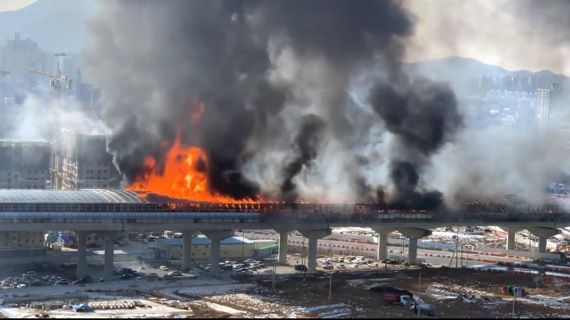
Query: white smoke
[{"x": 39, "y": 117}]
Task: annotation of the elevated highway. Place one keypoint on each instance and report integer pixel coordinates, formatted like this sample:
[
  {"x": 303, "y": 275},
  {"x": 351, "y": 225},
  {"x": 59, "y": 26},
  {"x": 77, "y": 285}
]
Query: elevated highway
[{"x": 108, "y": 212}]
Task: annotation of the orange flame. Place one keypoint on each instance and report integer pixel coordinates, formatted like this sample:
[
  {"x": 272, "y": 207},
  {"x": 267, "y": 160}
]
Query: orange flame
[{"x": 185, "y": 176}]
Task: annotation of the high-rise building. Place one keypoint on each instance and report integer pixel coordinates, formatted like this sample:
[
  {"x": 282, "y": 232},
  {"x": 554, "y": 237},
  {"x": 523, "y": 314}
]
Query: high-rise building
[
  {"x": 18, "y": 54},
  {"x": 542, "y": 106},
  {"x": 81, "y": 162},
  {"x": 24, "y": 164}
]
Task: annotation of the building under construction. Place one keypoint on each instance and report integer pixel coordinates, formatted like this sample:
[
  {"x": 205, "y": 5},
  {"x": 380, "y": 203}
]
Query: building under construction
[
  {"x": 24, "y": 164},
  {"x": 81, "y": 161}
]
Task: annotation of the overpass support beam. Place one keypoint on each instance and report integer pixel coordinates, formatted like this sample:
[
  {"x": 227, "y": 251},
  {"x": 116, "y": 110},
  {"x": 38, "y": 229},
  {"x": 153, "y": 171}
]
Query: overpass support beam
[
  {"x": 81, "y": 254},
  {"x": 314, "y": 236},
  {"x": 413, "y": 234},
  {"x": 216, "y": 237},
  {"x": 283, "y": 235},
  {"x": 543, "y": 234},
  {"x": 187, "y": 249},
  {"x": 109, "y": 251},
  {"x": 382, "y": 251},
  {"x": 511, "y": 233}
]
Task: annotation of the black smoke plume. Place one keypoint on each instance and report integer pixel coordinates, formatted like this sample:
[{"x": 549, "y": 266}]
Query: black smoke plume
[
  {"x": 423, "y": 116},
  {"x": 270, "y": 74},
  {"x": 305, "y": 150}
]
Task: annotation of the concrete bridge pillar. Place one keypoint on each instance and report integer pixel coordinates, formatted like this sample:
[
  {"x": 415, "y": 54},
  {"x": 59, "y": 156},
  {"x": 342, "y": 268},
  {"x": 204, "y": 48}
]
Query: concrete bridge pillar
[
  {"x": 283, "y": 235},
  {"x": 543, "y": 234},
  {"x": 382, "y": 251},
  {"x": 216, "y": 237},
  {"x": 413, "y": 234},
  {"x": 511, "y": 233},
  {"x": 109, "y": 250},
  {"x": 81, "y": 254},
  {"x": 314, "y": 236},
  {"x": 187, "y": 249}
]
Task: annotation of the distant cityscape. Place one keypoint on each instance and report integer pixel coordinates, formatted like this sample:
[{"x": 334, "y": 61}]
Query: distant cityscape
[
  {"x": 57, "y": 159},
  {"x": 489, "y": 96}
]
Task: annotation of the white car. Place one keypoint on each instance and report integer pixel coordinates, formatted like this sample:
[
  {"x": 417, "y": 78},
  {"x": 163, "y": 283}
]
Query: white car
[
  {"x": 265, "y": 271},
  {"x": 163, "y": 268}
]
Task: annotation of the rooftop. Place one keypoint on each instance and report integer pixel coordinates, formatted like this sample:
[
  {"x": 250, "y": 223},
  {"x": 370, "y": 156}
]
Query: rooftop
[
  {"x": 202, "y": 240},
  {"x": 57, "y": 196}
]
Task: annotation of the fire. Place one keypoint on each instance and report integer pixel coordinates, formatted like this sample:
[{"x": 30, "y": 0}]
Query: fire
[{"x": 185, "y": 176}]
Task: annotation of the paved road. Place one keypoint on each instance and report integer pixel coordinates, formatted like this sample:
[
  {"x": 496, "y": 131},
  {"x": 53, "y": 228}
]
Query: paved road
[
  {"x": 143, "y": 284},
  {"x": 336, "y": 247}
]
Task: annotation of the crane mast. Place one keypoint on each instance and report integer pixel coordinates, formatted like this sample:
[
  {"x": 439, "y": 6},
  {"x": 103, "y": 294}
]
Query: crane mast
[{"x": 57, "y": 82}]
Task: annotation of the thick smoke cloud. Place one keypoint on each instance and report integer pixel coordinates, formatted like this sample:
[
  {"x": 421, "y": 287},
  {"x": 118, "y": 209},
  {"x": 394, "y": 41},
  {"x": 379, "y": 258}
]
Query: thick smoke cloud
[
  {"x": 490, "y": 161},
  {"x": 155, "y": 62},
  {"x": 305, "y": 149},
  {"x": 423, "y": 116},
  {"x": 273, "y": 78}
]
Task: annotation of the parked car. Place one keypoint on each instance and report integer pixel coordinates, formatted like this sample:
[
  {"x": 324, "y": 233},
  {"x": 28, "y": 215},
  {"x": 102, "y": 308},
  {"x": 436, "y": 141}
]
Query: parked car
[
  {"x": 82, "y": 308},
  {"x": 245, "y": 271},
  {"x": 174, "y": 273},
  {"x": 227, "y": 267},
  {"x": 424, "y": 308},
  {"x": 266, "y": 271},
  {"x": 301, "y": 268},
  {"x": 398, "y": 298},
  {"x": 62, "y": 282},
  {"x": 163, "y": 268},
  {"x": 328, "y": 267}
]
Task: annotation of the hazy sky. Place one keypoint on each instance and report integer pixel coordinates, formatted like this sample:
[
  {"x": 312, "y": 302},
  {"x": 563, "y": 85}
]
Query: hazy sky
[{"x": 515, "y": 34}]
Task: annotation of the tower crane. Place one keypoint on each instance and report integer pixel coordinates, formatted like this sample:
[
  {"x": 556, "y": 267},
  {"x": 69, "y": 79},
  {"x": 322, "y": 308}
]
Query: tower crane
[{"x": 56, "y": 81}]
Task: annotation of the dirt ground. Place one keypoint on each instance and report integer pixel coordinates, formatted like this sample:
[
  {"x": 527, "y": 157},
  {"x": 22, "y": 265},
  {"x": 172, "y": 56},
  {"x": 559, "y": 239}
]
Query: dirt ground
[
  {"x": 300, "y": 296},
  {"x": 485, "y": 286}
]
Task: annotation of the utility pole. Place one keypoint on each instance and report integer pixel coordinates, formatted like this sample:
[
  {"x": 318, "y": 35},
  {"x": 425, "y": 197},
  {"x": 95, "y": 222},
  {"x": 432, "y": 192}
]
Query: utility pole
[
  {"x": 274, "y": 277},
  {"x": 303, "y": 252},
  {"x": 419, "y": 292},
  {"x": 242, "y": 244},
  {"x": 456, "y": 247},
  {"x": 330, "y": 284},
  {"x": 514, "y": 300}
]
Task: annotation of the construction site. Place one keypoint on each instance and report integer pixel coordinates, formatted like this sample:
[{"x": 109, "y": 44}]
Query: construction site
[
  {"x": 284, "y": 159},
  {"x": 373, "y": 292}
]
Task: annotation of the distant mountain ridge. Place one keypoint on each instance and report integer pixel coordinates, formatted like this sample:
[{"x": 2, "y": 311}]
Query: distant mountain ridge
[{"x": 458, "y": 69}]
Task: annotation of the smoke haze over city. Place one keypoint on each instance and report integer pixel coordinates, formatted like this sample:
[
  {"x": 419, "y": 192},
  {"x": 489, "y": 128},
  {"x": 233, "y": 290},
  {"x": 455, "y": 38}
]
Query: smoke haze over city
[{"x": 326, "y": 101}]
